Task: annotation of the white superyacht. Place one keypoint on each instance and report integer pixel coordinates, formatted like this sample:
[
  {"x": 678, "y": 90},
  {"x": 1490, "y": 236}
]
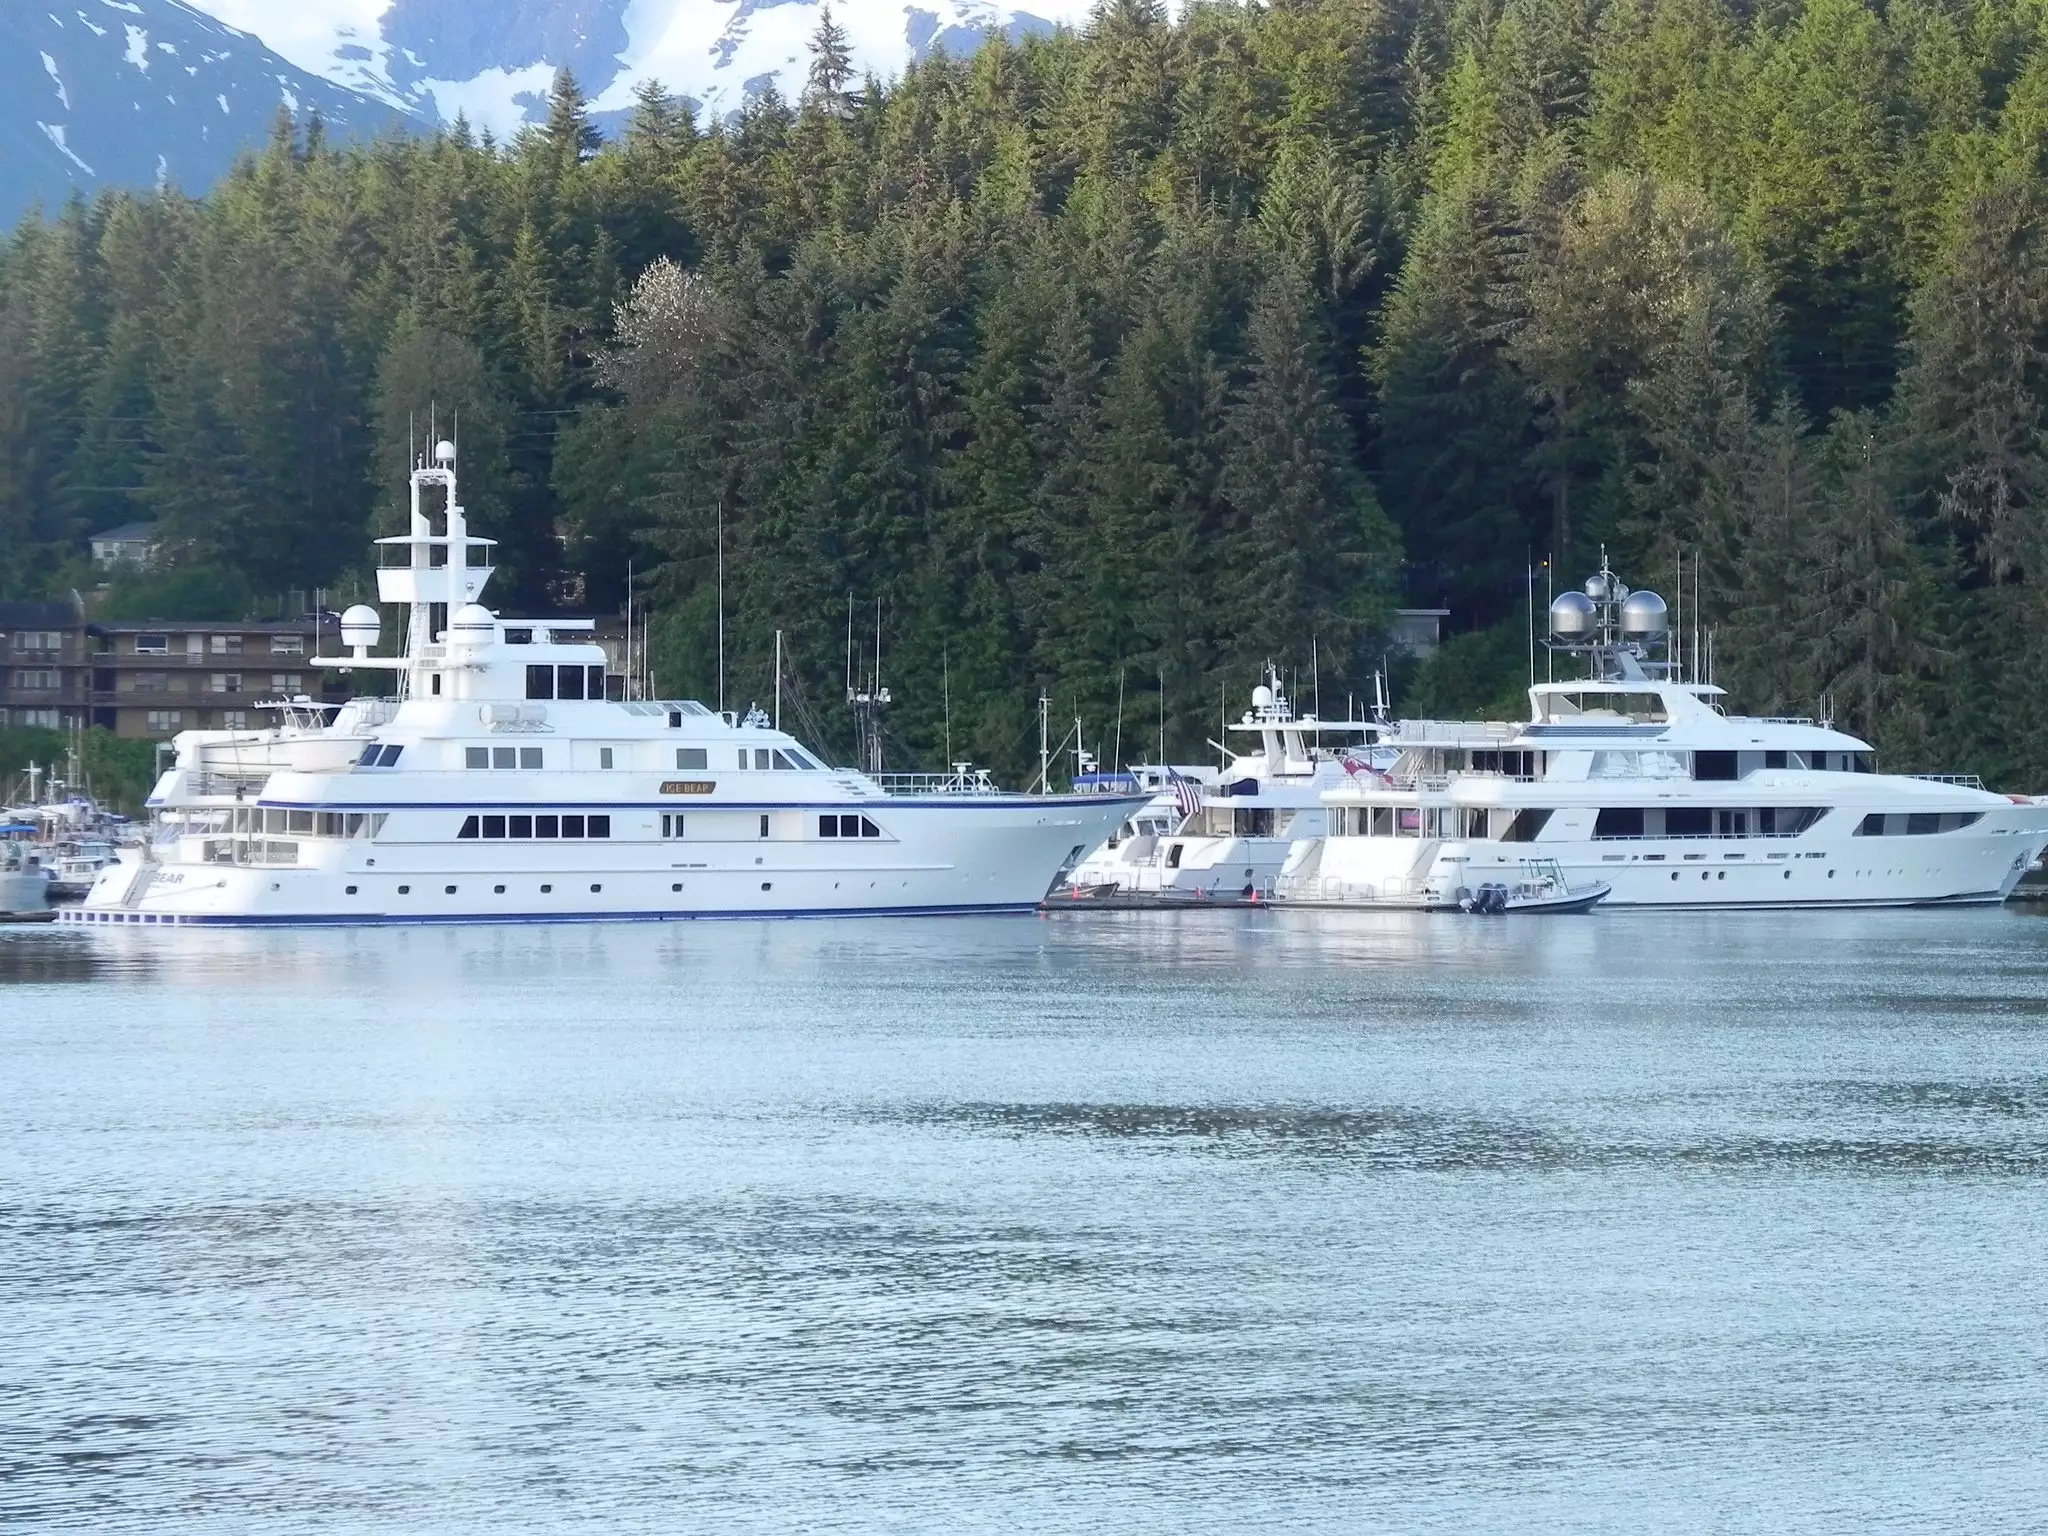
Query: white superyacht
[
  {"x": 1636, "y": 779},
  {"x": 497, "y": 783},
  {"x": 1233, "y": 831}
]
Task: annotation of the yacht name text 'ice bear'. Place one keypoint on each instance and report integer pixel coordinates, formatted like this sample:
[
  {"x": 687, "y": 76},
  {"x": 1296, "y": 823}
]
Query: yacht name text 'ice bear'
[{"x": 497, "y": 782}]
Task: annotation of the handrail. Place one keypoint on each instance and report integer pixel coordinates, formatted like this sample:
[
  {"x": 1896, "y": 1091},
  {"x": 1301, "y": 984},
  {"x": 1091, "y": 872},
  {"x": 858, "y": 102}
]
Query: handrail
[
  {"x": 1963, "y": 780},
  {"x": 976, "y": 783}
]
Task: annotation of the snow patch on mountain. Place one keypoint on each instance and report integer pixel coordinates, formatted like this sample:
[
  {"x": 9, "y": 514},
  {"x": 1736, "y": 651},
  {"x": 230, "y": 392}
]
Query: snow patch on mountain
[{"x": 490, "y": 60}]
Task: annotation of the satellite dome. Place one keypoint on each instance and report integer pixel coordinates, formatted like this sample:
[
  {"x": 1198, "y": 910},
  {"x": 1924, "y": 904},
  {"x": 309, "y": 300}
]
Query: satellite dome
[
  {"x": 360, "y": 625},
  {"x": 1643, "y": 616},
  {"x": 1572, "y": 615},
  {"x": 1597, "y": 588},
  {"x": 1262, "y": 697},
  {"x": 473, "y": 621},
  {"x": 444, "y": 452}
]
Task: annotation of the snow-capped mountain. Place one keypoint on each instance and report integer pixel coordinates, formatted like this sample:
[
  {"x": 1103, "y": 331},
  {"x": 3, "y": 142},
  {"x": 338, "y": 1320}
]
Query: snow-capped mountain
[
  {"x": 492, "y": 60},
  {"x": 136, "y": 92}
]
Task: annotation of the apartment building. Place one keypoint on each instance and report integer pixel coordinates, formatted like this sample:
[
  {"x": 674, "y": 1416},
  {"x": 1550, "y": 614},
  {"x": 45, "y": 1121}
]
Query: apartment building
[
  {"x": 152, "y": 678},
  {"x": 45, "y": 665}
]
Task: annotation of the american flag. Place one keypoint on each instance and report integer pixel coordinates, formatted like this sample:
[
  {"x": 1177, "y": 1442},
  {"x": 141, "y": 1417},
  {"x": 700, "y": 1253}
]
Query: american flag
[{"x": 1187, "y": 794}]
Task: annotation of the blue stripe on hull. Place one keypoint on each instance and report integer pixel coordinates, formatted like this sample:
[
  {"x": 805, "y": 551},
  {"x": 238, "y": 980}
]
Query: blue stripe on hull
[{"x": 126, "y": 918}]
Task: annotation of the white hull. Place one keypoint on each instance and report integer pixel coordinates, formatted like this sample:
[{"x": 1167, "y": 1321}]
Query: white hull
[
  {"x": 974, "y": 854},
  {"x": 1981, "y": 864}
]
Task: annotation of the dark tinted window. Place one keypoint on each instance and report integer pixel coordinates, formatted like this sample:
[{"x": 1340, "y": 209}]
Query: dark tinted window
[
  {"x": 1774, "y": 759},
  {"x": 568, "y": 682},
  {"x": 1713, "y": 765},
  {"x": 547, "y": 826},
  {"x": 1688, "y": 821},
  {"x": 1922, "y": 824},
  {"x": 1522, "y": 829},
  {"x": 540, "y": 682},
  {"x": 572, "y": 826},
  {"x": 600, "y": 826},
  {"x": 595, "y": 687},
  {"x": 1619, "y": 821},
  {"x": 1871, "y": 826},
  {"x": 868, "y": 828},
  {"x": 828, "y": 826},
  {"x": 522, "y": 826},
  {"x": 519, "y": 637},
  {"x": 494, "y": 826},
  {"x": 390, "y": 756},
  {"x": 468, "y": 828},
  {"x": 369, "y": 757}
]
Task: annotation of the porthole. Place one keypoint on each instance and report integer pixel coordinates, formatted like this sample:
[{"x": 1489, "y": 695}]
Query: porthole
[
  {"x": 544, "y": 890},
  {"x": 1674, "y": 874},
  {"x": 497, "y": 890},
  {"x": 677, "y": 886},
  {"x": 447, "y": 890},
  {"x": 1788, "y": 874},
  {"x": 767, "y": 885},
  {"x": 1831, "y": 874},
  {"x": 1723, "y": 875},
  {"x": 405, "y": 890},
  {"x": 351, "y": 890},
  {"x": 595, "y": 889}
]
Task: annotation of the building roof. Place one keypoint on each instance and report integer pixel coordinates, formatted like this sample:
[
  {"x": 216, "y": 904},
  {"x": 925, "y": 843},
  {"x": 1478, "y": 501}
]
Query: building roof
[
  {"x": 37, "y": 615},
  {"x": 127, "y": 533},
  {"x": 209, "y": 626}
]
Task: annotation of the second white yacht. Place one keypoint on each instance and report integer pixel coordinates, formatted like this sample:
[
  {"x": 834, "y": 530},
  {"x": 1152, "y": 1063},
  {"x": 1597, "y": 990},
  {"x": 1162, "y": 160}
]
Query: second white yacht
[{"x": 1636, "y": 779}]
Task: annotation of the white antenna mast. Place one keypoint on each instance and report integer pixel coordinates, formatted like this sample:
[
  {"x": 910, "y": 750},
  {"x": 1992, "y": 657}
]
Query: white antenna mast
[{"x": 721, "y": 605}]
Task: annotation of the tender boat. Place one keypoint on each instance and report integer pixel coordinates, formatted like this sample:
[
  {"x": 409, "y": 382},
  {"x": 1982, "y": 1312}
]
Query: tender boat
[
  {"x": 1638, "y": 779},
  {"x": 1540, "y": 888},
  {"x": 497, "y": 782}
]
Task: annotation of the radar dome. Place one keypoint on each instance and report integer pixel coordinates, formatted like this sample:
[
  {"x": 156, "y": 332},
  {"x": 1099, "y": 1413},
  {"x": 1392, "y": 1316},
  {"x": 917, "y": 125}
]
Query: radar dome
[
  {"x": 1262, "y": 697},
  {"x": 1597, "y": 588},
  {"x": 444, "y": 452},
  {"x": 1572, "y": 616},
  {"x": 1643, "y": 616},
  {"x": 473, "y": 621},
  {"x": 360, "y": 626}
]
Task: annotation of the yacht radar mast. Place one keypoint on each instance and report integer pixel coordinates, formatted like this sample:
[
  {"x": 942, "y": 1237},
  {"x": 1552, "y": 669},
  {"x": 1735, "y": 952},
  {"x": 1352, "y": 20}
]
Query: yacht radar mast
[{"x": 1625, "y": 636}]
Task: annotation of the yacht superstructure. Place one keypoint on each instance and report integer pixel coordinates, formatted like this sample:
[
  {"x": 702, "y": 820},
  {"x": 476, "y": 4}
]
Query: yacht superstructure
[
  {"x": 496, "y": 781},
  {"x": 1636, "y": 779},
  {"x": 1234, "y": 831}
]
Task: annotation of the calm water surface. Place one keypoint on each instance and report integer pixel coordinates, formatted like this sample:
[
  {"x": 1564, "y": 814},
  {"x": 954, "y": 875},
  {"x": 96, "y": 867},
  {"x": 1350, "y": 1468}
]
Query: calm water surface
[{"x": 1208, "y": 1222}]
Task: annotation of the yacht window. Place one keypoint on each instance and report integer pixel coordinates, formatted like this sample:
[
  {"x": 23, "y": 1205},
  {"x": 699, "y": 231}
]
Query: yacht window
[
  {"x": 519, "y": 637},
  {"x": 388, "y": 756},
  {"x": 1774, "y": 760},
  {"x": 1619, "y": 821},
  {"x": 1865, "y": 762},
  {"x": 597, "y": 826},
  {"x": 1524, "y": 826},
  {"x": 596, "y": 683},
  {"x": 540, "y": 681},
  {"x": 437, "y": 685},
  {"x": 802, "y": 759},
  {"x": 743, "y": 757},
  {"x": 476, "y": 757},
  {"x": 494, "y": 826},
  {"x": 504, "y": 757},
  {"x": 1407, "y": 821},
  {"x": 692, "y": 757},
  {"x": 547, "y": 826},
  {"x": 604, "y": 757},
  {"x": 520, "y": 826},
  {"x": 1918, "y": 824},
  {"x": 1713, "y": 766},
  {"x": 529, "y": 757},
  {"x": 302, "y": 822},
  {"x": 764, "y": 824},
  {"x": 369, "y": 757},
  {"x": 868, "y": 828},
  {"x": 1688, "y": 821},
  {"x": 572, "y": 826},
  {"x": 568, "y": 682},
  {"x": 672, "y": 825},
  {"x": 760, "y": 757},
  {"x": 828, "y": 826},
  {"x": 1731, "y": 823},
  {"x": 782, "y": 760}
]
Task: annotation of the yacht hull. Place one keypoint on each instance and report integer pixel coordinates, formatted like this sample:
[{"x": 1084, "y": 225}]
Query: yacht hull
[
  {"x": 1979, "y": 866},
  {"x": 989, "y": 854}
]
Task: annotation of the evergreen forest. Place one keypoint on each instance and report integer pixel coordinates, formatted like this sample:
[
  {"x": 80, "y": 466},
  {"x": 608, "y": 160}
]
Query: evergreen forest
[{"x": 1115, "y": 363}]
